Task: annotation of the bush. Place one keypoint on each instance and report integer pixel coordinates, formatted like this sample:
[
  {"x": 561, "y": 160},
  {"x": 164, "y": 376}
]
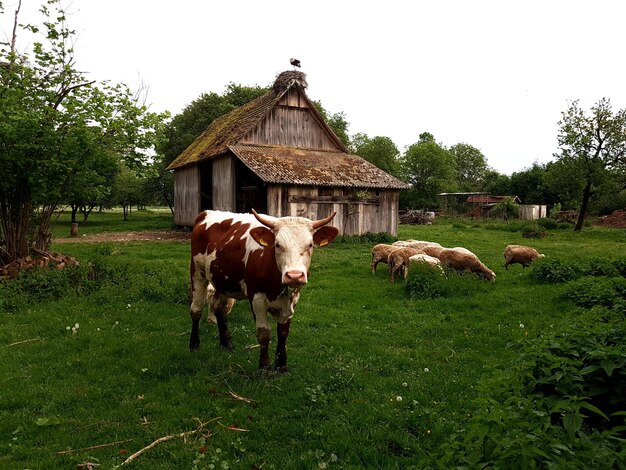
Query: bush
[
  {"x": 561, "y": 403},
  {"x": 425, "y": 282},
  {"x": 380, "y": 237},
  {"x": 553, "y": 270},
  {"x": 590, "y": 291},
  {"x": 548, "y": 224},
  {"x": 534, "y": 233}
]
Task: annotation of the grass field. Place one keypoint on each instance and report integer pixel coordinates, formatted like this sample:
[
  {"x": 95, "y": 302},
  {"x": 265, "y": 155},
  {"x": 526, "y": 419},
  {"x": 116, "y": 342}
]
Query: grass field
[{"x": 377, "y": 380}]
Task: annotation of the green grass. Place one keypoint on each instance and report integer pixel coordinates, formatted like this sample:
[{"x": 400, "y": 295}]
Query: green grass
[
  {"x": 113, "y": 221},
  {"x": 376, "y": 380}
]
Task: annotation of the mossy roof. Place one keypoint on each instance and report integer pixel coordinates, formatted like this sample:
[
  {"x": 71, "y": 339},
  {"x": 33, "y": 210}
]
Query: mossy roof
[
  {"x": 227, "y": 130},
  {"x": 307, "y": 167}
]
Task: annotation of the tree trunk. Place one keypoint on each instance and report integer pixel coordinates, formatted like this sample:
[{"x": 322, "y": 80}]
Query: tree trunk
[
  {"x": 583, "y": 207},
  {"x": 15, "y": 213},
  {"x": 74, "y": 211}
]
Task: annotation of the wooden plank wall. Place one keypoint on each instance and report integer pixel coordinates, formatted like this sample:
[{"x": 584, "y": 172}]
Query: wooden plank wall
[
  {"x": 224, "y": 183},
  {"x": 290, "y": 126},
  {"x": 375, "y": 213},
  {"x": 186, "y": 195}
]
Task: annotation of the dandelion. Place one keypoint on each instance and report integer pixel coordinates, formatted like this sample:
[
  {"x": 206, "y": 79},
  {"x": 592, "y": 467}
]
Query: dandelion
[
  {"x": 521, "y": 325},
  {"x": 68, "y": 328},
  {"x": 398, "y": 398},
  {"x": 426, "y": 369},
  {"x": 127, "y": 305},
  {"x": 77, "y": 326},
  {"x": 404, "y": 384},
  {"x": 144, "y": 370}
]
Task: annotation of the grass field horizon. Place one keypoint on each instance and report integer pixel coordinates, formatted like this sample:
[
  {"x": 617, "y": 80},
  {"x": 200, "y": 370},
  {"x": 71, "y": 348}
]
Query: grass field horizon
[{"x": 377, "y": 379}]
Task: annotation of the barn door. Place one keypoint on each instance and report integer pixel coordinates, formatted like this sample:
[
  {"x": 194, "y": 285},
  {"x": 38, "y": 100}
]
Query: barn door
[{"x": 251, "y": 190}]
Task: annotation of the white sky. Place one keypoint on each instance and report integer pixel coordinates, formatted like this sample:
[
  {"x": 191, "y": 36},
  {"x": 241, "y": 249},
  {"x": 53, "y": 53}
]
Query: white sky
[{"x": 493, "y": 74}]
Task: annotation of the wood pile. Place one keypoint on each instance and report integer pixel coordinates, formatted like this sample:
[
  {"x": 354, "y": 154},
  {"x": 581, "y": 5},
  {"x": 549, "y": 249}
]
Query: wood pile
[
  {"x": 417, "y": 217},
  {"x": 41, "y": 259},
  {"x": 617, "y": 219}
]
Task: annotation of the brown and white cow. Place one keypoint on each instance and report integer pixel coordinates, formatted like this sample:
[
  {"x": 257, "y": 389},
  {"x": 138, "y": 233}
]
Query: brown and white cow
[{"x": 257, "y": 257}]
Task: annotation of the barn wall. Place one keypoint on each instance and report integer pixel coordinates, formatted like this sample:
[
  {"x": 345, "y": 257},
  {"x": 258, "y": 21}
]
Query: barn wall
[
  {"x": 186, "y": 195},
  {"x": 291, "y": 126},
  {"x": 224, "y": 183},
  {"x": 373, "y": 211}
]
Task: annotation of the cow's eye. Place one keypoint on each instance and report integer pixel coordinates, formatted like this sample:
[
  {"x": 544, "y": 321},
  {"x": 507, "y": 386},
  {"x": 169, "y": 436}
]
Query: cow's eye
[
  {"x": 311, "y": 245},
  {"x": 277, "y": 245}
]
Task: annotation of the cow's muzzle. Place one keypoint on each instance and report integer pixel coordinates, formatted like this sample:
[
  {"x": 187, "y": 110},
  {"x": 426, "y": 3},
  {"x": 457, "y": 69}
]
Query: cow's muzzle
[{"x": 294, "y": 278}]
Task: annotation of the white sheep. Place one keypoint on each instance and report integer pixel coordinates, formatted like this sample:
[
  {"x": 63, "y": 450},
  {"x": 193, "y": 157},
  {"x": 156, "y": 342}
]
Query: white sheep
[
  {"x": 465, "y": 260},
  {"x": 423, "y": 258},
  {"x": 520, "y": 254}
]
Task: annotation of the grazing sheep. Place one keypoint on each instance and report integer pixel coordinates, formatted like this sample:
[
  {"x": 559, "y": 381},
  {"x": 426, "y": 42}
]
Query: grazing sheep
[
  {"x": 401, "y": 243},
  {"x": 423, "y": 258},
  {"x": 433, "y": 250},
  {"x": 421, "y": 244},
  {"x": 520, "y": 254},
  {"x": 380, "y": 253},
  {"x": 398, "y": 260},
  {"x": 464, "y": 260}
]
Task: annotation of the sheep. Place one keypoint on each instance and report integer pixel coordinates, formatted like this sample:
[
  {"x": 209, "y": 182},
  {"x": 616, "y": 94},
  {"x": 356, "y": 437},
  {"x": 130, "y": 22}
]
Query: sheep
[
  {"x": 402, "y": 243},
  {"x": 520, "y": 254},
  {"x": 423, "y": 258},
  {"x": 465, "y": 260},
  {"x": 421, "y": 244},
  {"x": 380, "y": 253},
  {"x": 432, "y": 250},
  {"x": 398, "y": 260}
]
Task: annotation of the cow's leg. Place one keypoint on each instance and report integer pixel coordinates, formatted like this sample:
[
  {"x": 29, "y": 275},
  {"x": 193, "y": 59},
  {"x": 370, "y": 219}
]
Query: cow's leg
[
  {"x": 263, "y": 329},
  {"x": 199, "y": 284},
  {"x": 280, "y": 362},
  {"x": 220, "y": 307}
]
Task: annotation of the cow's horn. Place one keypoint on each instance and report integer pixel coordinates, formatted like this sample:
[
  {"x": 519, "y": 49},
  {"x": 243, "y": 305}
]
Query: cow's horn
[
  {"x": 264, "y": 220},
  {"x": 322, "y": 222}
]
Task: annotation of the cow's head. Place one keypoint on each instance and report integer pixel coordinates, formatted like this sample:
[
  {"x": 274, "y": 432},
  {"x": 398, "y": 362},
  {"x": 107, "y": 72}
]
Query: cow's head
[{"x": 292, "y": 239}]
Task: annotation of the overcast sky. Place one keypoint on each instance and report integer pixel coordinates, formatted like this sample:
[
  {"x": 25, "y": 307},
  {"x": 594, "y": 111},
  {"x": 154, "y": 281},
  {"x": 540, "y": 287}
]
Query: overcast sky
[{"x": 492, "y": 74}]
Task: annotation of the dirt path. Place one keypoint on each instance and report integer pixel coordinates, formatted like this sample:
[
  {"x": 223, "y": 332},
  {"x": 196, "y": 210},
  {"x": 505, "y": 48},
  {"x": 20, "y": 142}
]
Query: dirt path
[{"x": 157, "y": 235}]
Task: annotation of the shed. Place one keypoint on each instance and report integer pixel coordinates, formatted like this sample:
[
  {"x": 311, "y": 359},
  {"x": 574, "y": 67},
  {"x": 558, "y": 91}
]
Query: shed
[{"x": 277, "y": 155}]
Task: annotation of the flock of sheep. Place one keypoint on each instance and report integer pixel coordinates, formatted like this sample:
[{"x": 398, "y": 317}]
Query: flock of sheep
[{"x": 400, "y": 255}]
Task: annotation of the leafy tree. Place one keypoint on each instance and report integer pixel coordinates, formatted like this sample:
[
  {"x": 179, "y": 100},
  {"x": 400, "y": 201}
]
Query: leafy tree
[
  {"x": 496, "y": 183},
  {"x": 592, "y": 147},
  {"x": 430, "y": 169},
  {"x": 531, "y": 187},
  {"x": 54, "y": 124},
  {"x": 380, "y": 151},
  {"x": 183, "y": 129},
  {"x": 128, "y": 189},
  {"x": 471, "y": 167}
]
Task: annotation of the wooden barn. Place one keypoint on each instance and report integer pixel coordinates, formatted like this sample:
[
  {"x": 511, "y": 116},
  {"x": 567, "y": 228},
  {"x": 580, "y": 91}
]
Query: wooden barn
[{"x": 277, "y": 155}]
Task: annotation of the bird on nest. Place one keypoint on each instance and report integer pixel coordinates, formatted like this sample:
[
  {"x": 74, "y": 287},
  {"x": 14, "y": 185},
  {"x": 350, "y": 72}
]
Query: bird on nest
[{"x": 294, "y": 62}]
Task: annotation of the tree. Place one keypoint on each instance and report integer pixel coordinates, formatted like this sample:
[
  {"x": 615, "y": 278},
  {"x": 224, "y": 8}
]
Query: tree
[
  {"x": 470, "y": 165},
  {"x": 430, "y": 169},
  {"x": 53, "y": 124},
  {"x": 128, "y": 189},
  {"x": 531, "y": 187},
  {"x": 380, "y": 151},
  {"x": 183, "y": 129},
  {"x": 592, "y": 146}
]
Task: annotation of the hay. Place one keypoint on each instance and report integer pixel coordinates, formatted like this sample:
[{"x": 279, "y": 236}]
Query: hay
[{"x": 289, "y": 78}]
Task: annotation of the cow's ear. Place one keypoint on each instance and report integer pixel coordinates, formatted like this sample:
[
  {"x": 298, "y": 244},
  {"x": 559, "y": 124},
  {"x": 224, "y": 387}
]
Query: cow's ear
[
  {"x": 263, "y": 236},
  {"x": 324, "y": 235}
]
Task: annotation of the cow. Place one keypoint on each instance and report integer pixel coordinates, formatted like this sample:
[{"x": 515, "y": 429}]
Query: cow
[{"x": 257, "y": 257}]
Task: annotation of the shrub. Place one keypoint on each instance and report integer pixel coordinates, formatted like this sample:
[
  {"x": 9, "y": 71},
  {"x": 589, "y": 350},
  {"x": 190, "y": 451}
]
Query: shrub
[
  {"x": 380, "y": 237},
  {"x": 553, "y": 270},
  {"x": 561, "y": 403},
  {"x": 534, "y": 233},
  {"x": 590, "y": 291},
  {"x": 425, "y": 282},
  {"x": 548, "y": 224}
]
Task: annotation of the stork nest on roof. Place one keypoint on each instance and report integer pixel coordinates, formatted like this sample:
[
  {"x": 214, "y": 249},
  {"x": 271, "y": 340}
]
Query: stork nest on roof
[{"x": 289, "y": 78}]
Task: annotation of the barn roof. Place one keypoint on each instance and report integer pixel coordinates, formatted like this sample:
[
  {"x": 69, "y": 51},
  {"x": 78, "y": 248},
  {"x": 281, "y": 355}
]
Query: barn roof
[
  {"x": 288, "y": 165},
  {"x": 227, "y": 130},
  {"x": 489, "y": 199},
  {"x": 231, "y": 128}
]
